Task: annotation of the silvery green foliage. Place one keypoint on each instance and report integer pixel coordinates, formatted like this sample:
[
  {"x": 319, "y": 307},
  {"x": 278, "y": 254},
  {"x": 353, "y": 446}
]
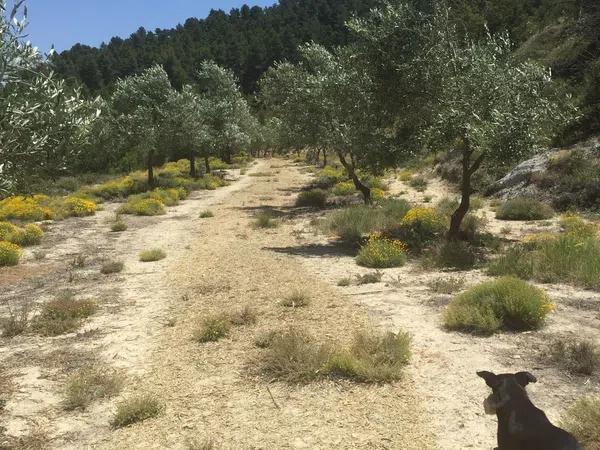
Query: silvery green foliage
[
  {"x": 140, "y": 112},
  {"x": 326, "y": 101},
  {"x": 227, "y": 119},
  {"x": 42, "y": 123}
]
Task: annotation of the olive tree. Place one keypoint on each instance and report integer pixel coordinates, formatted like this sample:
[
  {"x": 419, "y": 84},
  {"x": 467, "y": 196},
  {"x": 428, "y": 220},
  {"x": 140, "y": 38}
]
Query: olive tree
[
  {"x": 326, "y": 102},
  {"x": 226, "y": 114},
  {"x": 439, "y": 90},
  {"x": 43, "y": 124},
  {"x": 140, "y": 108}
]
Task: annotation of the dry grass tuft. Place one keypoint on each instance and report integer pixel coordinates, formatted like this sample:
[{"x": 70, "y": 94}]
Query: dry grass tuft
[
  {"x": 581, "y": 357},
  {"x": 296, "y": 299},
  {"x": 91, "y": 384},
  {"x": 63, "y": 315},
  {"x": 244, "y": 316},
  {"x": 583, "y": 421},
  {"x": 111, "y": 267},
  {"x": 136, "y": 409},
  {"x": 17, "y": 321},
  {"x": 151, "y": 255},
  {"x": 212, "y": 329}
]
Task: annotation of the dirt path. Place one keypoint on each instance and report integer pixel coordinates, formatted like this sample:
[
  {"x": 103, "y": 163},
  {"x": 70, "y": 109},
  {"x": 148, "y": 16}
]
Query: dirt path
[
  {"x": 147, "y": 318},
  {"x": 444, "y": 363}
]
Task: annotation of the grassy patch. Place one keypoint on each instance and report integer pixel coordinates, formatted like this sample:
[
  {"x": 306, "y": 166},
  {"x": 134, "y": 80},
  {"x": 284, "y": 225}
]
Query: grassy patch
[
  {"x": 10, "y": 254},
  {"x": 112, "y": 267},
  {"x": 457, "y": 255},
  {"x": 136, "y": 409},
  {"x": 63, "y": 315},
  {"x": 580, "y": 357},
  {"x": 566, "y": 257},
  {"x": 212, "y": 329},
  {"x": 372, "y": 358},
  {"x": 296, "y": 299},
  {"x": 351, "y": 224},
  {"x": 89, "y": 385},
  {"x": 151, "y": 255},
  {"x": 523, "y": 209},
  {"x": 143, "y": 207},
  {"x": 206, "y": 214},
  {"x": 264, "y": 219},
  {"x": 506, "y": 303},
  {"x": 583, "y": 421},
  {"x": 343, "y": 188},
  {"x": 315, "y": 198},
  {"x": 380, "y": 252},
  {"x": 344, "y": 282},
  {"x": 295, "y": 356}
]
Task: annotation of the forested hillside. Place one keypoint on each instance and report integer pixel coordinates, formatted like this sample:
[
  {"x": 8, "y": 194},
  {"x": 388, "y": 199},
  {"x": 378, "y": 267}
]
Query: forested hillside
[{"x": 247, "y": 41}]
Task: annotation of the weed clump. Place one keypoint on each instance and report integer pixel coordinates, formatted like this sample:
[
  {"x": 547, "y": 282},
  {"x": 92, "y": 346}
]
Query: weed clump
[
  {"x": 151, "y": 255},
  {"x": 506, "y": 303},
  {"x": 31, "y": 234},
  {"x": 143, "y": 207},
  {"x": 118, "y": 226},
  {"x": 583, "y": 421},
  {"x": 243, "y": 316},
  {"x": 136, "y": 409},
  {"x": 446, "y": 285},
  {"x": 523, "y": 209},
  {"x": 296, "y": 299},
  {"x": 111, "y": 267},
  {"x": 418, "y": 183},
  {"x": 419, "y": 227},
  {"x": 581, "y": 357},
  {"x": 212, "y": 329},
  {"x": 315, "y": 198},
  {"x": 63, "y": 315},
  {"x": 264, "y": 219},
  {"x": 373, "y": 358},
  {"x": 17, "y": 321},
  {"x": 369, "y": 278},
  {"x": 344, "y": 188},
  {"x": 206, "y": 214},
  {"x": 89, "y": 385}
]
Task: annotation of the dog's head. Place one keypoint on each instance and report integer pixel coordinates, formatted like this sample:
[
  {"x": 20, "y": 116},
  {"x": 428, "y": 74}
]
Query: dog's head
[{"x": 505, "y": 386}]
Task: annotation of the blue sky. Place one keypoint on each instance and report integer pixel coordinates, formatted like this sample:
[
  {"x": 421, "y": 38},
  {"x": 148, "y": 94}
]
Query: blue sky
[{"x": 66, "y": 22}]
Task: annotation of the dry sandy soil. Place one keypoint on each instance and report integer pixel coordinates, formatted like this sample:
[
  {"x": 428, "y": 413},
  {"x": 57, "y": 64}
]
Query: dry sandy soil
[{"x": 148, "y": 314}]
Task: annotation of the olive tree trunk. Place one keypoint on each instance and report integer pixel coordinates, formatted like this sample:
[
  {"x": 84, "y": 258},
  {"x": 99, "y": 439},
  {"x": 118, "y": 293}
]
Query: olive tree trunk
[{"x": 359, "y": 185}]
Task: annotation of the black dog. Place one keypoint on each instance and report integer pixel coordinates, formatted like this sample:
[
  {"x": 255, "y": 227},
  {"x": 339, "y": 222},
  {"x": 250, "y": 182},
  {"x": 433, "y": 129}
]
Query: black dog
[{"x": 522, "y": 426}]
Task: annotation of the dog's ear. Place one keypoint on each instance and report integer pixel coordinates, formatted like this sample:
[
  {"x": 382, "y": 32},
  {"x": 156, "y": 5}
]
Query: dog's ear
[
  {"x": 524, "y": 378},
  {"x": 491, "y": 379}
]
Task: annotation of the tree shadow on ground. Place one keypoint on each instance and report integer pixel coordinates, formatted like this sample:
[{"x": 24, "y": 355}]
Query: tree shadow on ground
[{"x": 332, "y": 249}]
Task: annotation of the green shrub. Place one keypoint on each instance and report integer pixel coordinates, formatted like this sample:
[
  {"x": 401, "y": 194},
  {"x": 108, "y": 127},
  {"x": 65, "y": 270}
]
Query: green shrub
[
  {"x": 118, "y": 226},
  {"x": 143, "y": 207},
  {"x": 89, "y": 385},
  {"x": 155, "y": 254},
  {"x": 10, "y": 254},
  {"x": 206, "y": 214},
  {"x": 344, "y": 188},
  {"x": 329, "y": 176},
  {"x": 343, "y": 282},
  {"x": 581, "y": 357},
  {"x": 31, "y": 234},
  {"x": 453, "y": 255},
  {"x": 505, "y": 303},
  {"x": 212, "y": 329},
  {"x": 111, "y": 267},
  {"x": 523, "y": 209},
  {"x": 380, "y": 252},
  {"x": 583, "y": 421},
  {"x": 136, "y": 409},
  {"x": 419, "y": 227},
  {"x": 373, "y": 358},
  {"x": 264, "y": 219},
  {"x": 351, "y": 224},
  {"x": 516, "y": 261},
  {"x": 296, "y": 299},
  {"x": 315, "y": 198}
]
